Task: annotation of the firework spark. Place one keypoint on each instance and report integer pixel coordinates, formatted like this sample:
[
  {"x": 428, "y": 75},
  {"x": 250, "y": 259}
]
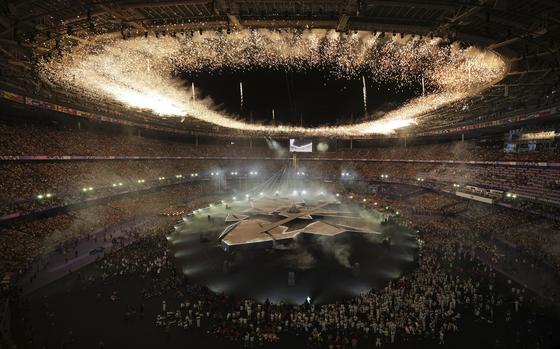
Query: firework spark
[{"x": 142, "y": 72}]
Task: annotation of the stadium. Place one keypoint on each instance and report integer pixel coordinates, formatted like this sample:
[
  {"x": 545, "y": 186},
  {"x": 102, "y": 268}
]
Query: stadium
[{"x": 280, "y": 174}]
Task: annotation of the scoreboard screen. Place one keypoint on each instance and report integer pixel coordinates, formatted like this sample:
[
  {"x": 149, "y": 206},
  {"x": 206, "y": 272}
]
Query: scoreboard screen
[{"x": 301, "y": 146}]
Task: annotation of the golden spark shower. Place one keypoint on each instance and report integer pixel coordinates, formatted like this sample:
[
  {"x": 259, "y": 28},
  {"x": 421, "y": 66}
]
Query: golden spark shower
[{"x": 142, "y": 73}]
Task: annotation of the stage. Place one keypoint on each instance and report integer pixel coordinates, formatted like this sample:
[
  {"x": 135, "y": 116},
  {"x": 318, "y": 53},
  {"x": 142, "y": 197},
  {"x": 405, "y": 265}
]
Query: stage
[{"x": 286, "y": 249}]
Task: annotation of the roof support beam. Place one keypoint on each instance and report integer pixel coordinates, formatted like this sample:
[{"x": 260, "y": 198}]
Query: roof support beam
[
  {"x": 350, "y": 8},
  {"x": 222, "y": 7},
  {"x": 342, "y": 23},
  {"x": 459, "y": 16},
  {"x": 120, "y": 16}
]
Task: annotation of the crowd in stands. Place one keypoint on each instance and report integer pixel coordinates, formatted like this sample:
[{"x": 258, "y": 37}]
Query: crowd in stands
[
  {"x": 432, "y": 202},
  {"x": 64, "y": 181},
  {"x": 23, "y": 182},
  {"x": 538, "y": 238},
  {"x": 58, "y": 140},
  {"x": 67, "y": 140},
  {"x": 70, "y": 182},
  {"x": 536, "y": 183},
  {"x": 21, "y": 242}
]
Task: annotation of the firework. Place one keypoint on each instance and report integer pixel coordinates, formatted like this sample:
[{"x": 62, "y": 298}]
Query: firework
[
  {"x": 364, "y": 91},
  {"x": 241, "y": 95},
  {"x": 142, "y": 72}
]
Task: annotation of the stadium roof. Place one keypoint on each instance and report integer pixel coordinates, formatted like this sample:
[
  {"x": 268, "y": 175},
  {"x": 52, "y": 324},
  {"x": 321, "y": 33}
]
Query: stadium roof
[{"x": 525, "y": 32}]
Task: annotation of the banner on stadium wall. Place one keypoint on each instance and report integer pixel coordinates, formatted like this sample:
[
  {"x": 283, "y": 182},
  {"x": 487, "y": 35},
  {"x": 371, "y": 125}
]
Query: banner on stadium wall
[
  {"x": 12, "y": 96},
  {"x": 538, "y": 135},
  {"x": 474, "y": 197}
]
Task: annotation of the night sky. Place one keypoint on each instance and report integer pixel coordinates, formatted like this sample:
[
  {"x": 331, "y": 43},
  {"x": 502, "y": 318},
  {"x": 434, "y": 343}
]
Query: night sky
[{"x": 315, "y": 96}]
